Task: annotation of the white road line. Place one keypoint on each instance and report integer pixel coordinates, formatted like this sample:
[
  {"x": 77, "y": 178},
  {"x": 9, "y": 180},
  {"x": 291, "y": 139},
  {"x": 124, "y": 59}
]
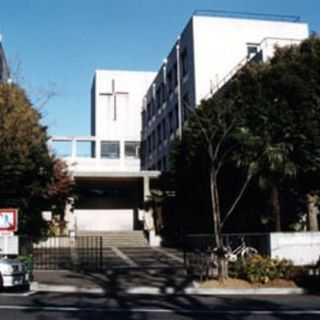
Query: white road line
[
  {"x": 11, "y": 294},
  {"x": 159, "y": 310},
  {"x": 124, "y": 257},
  {"x": 168, "y": 254}
]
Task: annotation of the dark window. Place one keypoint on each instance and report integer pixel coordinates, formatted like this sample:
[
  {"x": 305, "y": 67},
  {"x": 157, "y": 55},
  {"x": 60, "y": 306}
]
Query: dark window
[
  {"x": 164, "y": 163},
  {"x": 186, "y": 106},
  {"x": 175, "y": 76},
  {"x": 176, "y": 116},
  {"x": 184, "y": 62},
  {"x": 144, "y": 119},
  {"x": 110, "y": 149},
  {"x": 148, "y": 111},
  {"x": 149, "y": 145},
  {"x": 169, "y": 82},
  {"x": 162, "y": 93},
  {"x": 153, "y": 107},
  {"x": 252, "y": 50},
  {"x": 159, "y": 133},
  {"x": 170, "y": 122},
  {"x": 131, "y": 149},
  {"x": 158, "y": 97},
  {"x": 164, "y": 129},
  {"x": 153, "y": 140}
]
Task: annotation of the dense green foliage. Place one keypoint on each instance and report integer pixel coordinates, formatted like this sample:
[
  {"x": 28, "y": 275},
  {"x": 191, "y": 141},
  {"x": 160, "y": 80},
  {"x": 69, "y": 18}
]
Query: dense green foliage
[
  {"x": 260, "y": 269},
  {"x": 27, "y": 170},
  {"x": 254, "y": 147}
]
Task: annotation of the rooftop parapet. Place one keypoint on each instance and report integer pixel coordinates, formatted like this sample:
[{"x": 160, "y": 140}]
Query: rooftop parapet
[{"x": 247, "y": 15}]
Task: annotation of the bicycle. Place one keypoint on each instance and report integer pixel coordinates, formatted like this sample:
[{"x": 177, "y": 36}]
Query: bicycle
[{"x": 242, "y": 251}]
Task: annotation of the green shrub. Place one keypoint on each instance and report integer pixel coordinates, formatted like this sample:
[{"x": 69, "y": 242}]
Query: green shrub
[{"x": 259, "y": 269}]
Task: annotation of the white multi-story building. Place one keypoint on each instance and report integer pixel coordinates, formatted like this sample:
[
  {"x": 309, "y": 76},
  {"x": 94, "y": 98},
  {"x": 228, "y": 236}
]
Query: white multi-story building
[
  {"x": 113, "y": 185},
  {"x": 209, "y": 51}
]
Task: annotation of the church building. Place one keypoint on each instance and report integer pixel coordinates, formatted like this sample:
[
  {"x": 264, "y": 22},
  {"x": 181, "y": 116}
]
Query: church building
[{"x": 135, "y": 116}]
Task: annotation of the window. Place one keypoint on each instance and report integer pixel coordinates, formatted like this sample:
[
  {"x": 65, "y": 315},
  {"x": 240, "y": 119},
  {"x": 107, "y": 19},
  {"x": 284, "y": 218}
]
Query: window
[
  {"x": 169, "y": 83},
  {"x": 184, "y": 62},
  {"x": 159, "y": 133},
  {"x": 164, "y": 129},
  {"x": 153, "y": 140},
  {"x": 110, "y": 149},
  {"x": 144, "y": 119},
  {"x": 252, "y": 50},
  {"x": 175, "y": 76},
  {"x": 131, "y": 149},
  {"x": 164, "y": 163},
  {"x": 153, "y": 107},
  {"x": 171, "y": 122},
  {"x": 186, "y": 106},
  {"x": 176, "y": 116},
  {"x": 148, "y": 111},
  {"x": 158, "y": 97},
  {"x": 149, "y": 147}
]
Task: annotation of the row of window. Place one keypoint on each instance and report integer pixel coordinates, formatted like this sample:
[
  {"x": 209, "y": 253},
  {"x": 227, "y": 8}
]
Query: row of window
[
  {"x": 163, "y": 130},
  {"x": 111, "y": 149},
  {"x": 165, "y": 88}
]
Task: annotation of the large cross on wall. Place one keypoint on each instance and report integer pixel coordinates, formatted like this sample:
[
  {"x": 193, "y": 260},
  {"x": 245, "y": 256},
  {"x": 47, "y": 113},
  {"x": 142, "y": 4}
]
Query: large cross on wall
[{"x": 114, "y": 93}]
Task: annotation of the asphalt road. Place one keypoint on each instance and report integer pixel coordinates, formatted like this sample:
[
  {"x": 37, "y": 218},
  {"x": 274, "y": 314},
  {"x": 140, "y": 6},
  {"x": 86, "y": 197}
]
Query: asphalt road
[{"x": 142, "y": 307}]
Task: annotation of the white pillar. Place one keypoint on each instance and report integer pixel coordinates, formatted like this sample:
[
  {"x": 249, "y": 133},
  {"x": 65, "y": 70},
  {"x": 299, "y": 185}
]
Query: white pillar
[
  {"x": 97, "y": 148},
  {"x": 148, "y": 220},
  {"x": 73, "y": 147}
]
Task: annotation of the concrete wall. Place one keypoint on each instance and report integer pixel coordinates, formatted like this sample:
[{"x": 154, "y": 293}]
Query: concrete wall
[
  {"x": 130, "y": 87},
  {"x": 221, "y": 43},
  {"x": 104, "y": 220},
  {"x": 303, "y": 248}
]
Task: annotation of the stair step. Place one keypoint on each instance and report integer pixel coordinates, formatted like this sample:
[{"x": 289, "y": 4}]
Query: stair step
[{"x": 118, "y": 238}]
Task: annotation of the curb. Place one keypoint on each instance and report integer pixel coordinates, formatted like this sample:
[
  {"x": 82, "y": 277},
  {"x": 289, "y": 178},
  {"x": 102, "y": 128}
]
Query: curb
[{"x": 41, "y": 287}]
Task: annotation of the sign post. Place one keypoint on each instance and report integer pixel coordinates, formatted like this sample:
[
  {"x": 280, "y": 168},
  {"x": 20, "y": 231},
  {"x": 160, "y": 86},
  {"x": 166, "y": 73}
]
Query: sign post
[{"x": 9, "y": 243}]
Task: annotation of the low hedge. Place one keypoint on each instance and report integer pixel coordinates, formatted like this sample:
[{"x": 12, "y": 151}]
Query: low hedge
[{"x": 259, "y": 269}]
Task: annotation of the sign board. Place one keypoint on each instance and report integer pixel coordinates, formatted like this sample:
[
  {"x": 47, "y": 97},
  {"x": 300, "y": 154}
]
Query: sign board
[
  {"x": 9, "y": 245},
  {"x": 8, "y": 221}
]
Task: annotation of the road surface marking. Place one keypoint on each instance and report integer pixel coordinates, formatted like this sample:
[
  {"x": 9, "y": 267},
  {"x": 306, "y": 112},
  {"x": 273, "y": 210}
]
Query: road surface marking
[
  {"x": 168, "y": 254},
  {"x": 17, "y": 294},
  {"x": 124, "y": 257},
  {"x": 160, "y": 310}
]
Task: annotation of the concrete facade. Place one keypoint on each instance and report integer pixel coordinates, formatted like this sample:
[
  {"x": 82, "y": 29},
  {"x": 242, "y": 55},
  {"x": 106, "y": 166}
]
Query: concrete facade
[
  {"x": 302, "y": 248},
  {"x": 209, "y": 51},
  {"x": 116, "y": 104},
  {"x": 110, "y": 185}
]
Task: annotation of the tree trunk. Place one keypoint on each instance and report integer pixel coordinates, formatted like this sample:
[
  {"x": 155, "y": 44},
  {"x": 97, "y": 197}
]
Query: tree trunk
[
  {"x": 222, "y": 263},
  {"x": 275, "y": 207},
  {"x": 312, "y": 212}
]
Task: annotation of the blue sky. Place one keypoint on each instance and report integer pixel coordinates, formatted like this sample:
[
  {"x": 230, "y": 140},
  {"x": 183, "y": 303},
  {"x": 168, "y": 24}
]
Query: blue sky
[{"x": 60, "y": 43}]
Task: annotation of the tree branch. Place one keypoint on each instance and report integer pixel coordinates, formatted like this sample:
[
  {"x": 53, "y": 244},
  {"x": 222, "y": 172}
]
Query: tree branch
[{"x": 237, "y": 199}]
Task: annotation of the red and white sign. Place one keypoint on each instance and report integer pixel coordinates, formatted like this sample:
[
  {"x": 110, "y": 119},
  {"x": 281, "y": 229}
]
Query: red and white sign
[{"x": 8, "y": 220}]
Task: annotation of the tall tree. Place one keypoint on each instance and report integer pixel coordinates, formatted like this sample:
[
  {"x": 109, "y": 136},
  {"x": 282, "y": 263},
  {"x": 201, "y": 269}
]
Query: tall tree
[{"x": 26, "y": 166}]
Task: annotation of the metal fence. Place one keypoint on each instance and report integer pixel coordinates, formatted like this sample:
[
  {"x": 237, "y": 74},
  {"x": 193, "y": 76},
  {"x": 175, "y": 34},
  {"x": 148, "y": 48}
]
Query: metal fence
[
  {"x": 54, "y": 253},
  {"x": 199, "y": 250}
]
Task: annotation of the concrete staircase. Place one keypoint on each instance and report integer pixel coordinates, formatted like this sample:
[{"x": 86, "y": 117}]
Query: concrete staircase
[{"x": 119, "y": 238}]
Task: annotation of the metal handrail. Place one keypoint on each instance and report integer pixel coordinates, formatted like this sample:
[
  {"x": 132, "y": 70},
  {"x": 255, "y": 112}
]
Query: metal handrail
[{"x": 243, "y": 62}]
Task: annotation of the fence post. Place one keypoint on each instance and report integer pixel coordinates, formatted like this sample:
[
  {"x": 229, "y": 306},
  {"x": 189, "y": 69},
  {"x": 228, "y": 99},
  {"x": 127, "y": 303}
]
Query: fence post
[
  {"x": 73, "y": 252},
  {"x": 101, "y": 252}
]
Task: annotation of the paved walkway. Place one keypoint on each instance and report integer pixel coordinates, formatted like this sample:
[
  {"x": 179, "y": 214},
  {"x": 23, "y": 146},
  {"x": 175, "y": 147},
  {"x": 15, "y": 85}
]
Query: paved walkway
[{"x": 127, "y": 268}]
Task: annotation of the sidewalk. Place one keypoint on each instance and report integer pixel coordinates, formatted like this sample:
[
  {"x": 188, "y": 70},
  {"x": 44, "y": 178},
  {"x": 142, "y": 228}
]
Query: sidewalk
[
  {"x": 162, "y": 280},
  {"x": 146, "y": 282}
]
